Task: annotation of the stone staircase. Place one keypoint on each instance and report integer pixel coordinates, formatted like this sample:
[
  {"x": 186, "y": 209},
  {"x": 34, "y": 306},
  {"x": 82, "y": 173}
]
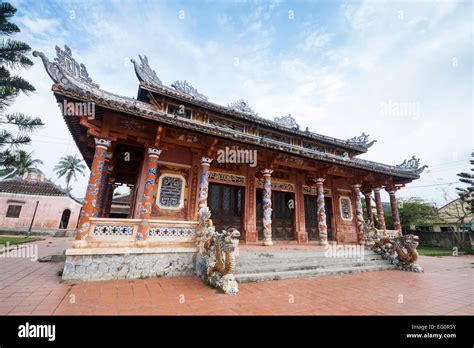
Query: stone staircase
[{"x": 274, "y": 265}]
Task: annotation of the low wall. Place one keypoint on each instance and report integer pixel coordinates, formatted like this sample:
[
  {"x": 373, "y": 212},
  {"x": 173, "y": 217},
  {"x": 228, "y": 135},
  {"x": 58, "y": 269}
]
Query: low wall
[
  {"x": 122, "y": 263},
  {"x": 445, "y": 239},
  {"x": 35, "y": 231}
]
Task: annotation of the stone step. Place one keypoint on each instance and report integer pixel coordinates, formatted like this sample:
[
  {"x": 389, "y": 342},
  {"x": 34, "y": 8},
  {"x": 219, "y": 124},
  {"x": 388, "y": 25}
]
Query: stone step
[
  {"x": 303, "y": 273},
  {"x": 315, "y": 264},
  {"x": 290, "y": 255}
]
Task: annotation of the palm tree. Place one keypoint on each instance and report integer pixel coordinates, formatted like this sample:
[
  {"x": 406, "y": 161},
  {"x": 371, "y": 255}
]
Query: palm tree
[
  {"x": 13, "y": 54},
  {"x": 17, "y": 163},
  {"x": 69, "y": 166}
]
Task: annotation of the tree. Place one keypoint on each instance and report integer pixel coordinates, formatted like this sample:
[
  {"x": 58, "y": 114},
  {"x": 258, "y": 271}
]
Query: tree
[
  {"x": 412, "y": 211},
  {"x": 462, "y": 210},
  {"x": 17, "y": 163},
  {"x": 69, "y": 166},
  {"x": 13, "y": 55},
  {"x": 467, "y": 194}
]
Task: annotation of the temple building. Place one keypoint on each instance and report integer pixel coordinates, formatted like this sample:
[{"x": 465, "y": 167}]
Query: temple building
[{"x": 179, "y": 152}]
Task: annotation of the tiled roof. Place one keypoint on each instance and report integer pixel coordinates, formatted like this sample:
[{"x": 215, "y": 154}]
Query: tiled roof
[{"x": 31, "y": 187}]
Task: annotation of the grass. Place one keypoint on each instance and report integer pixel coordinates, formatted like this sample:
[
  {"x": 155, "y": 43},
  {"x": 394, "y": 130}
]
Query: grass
[
  {"x": 427, "y": 251},
  {"x": 17, "y": 240}
]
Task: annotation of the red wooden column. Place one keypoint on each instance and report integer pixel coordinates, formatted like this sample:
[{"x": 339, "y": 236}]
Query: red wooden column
[
  {"x": 378, "y": 205},
  {"x": 368, "y": 206},
  {"x": 267, "y": 207},
  {"x": 302, "y": 235},
  {"x": 321, "y": 212},
  {"x": 394, "y": 207},
  {"x": 250, "y": 223},
  {"x": 204, "y": 183},
  {"x": 358, "y": 211},
  {"x": 108, "y": 198},
  {"x": 148, "y": 190},
  {"x": 90, "y": 206}
]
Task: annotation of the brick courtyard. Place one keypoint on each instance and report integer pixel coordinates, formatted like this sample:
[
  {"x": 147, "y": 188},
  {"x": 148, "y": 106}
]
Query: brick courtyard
[{"x": 34, "y": 288}]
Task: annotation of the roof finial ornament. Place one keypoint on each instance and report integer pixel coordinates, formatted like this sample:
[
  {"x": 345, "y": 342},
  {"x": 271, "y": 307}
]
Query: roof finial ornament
[
  {"x": 242, "y": 106},
  {"x": 144, "y": 72},
  {"x": 65, "y": 67},
  {"x": 413, "y": 164},
  {"x": 186, "y": 88},
  {"x": 361, "y": 140},
  {"x": 287, "y": 121}
]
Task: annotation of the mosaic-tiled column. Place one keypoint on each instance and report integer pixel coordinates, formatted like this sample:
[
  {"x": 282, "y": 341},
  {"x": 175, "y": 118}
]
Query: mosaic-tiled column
[
  {"x": 96, "y": 178},
  {"x": 267, "y": 207},
  {"x": 321, "y": 212},
  {"x": 148, "y": 190},
  {"x": 358, "y": 211},
  {"x": 368, "y": 207},
  {"x": 379, "y": 207},
  {"x": 204, "y": 183},
  {"x": 394, "y": 207}
]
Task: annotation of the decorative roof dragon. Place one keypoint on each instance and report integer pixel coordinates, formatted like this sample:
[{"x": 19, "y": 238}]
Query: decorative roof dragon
[
  {"x": 361, "y": 140},
  {"x": 287, "y": 121},
  {"x": 412, "y": 164},
  {"x": 64, "y": 67},
  {"x": 242, "y": 106},
  {"x": 144, "y": 72},
  {"x": 186, "y": 88}
]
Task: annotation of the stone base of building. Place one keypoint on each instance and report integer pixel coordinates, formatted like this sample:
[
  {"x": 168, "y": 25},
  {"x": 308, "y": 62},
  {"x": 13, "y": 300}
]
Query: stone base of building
[{"x": 128, "y": 263}]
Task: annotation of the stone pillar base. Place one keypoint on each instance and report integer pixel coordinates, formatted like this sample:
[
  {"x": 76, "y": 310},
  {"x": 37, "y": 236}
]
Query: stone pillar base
[
  {"x": 251, "y": 236},
  {"x": 267, "y": 243},
  {"x": 323, "y": 242},
  {"x": 302, "y": 237}
]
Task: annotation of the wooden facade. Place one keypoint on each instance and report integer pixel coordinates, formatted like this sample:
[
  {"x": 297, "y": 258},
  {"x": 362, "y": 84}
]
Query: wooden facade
[{"x": 167, "y": 146}]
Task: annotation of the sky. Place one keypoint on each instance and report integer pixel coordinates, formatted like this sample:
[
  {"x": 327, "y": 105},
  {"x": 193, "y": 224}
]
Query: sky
[{"x": 400, "y": 71}]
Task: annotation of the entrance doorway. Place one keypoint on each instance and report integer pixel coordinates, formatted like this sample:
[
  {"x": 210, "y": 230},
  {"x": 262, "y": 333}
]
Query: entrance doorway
[
  {"x": 227, "y": 206},
  {"x": 64, "y": 219},
  {"x": 283, "y": 212},
  {"x": 311, "y": 221}
]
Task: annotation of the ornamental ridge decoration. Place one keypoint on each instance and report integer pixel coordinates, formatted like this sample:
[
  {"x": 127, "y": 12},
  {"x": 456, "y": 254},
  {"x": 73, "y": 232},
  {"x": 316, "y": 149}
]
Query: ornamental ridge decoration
[
  {"x": 287, "y": 121},
  {"x": 144, "y": 72},
  {"x": 242, "y": 106},
  {"x": 69, "y": 65},
  {"x": 412, "y": 164},
  {"x": 65, "y": 67},
  {"x": 186, "y": 88},
  {"x": 361, "y": 140}
]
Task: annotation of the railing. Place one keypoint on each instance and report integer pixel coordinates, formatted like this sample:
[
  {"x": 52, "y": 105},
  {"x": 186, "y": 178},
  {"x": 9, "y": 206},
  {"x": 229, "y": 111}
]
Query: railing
[{"x": 123, "y": 232}]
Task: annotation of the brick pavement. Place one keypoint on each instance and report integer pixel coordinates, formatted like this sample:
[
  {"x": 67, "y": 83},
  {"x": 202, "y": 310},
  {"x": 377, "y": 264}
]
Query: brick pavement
[{"x": 34, "y": 288}]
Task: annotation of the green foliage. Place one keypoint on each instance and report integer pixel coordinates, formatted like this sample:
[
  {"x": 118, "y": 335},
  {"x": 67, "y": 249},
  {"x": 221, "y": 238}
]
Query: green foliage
[
  {"x": 17, "y": 163},
  {"x": 467, "y": 194},
  {"x": 413, "y": 211},
  {"x": 69, "y": 166},
  {"x": 14, "y": 127}
]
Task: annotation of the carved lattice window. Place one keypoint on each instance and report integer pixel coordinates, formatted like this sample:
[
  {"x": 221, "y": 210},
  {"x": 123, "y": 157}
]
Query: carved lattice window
[
  {"x": 170, "y": 191},
  {"x": 345, "y": 205}
]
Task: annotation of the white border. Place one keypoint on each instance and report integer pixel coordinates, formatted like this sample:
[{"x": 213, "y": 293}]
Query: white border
[
  {"x": 350, "y": 208},
  {"x": 181, "y": 200}
]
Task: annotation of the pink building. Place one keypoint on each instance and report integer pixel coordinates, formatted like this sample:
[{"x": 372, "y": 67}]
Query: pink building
[{"x": 33, "y": 202}]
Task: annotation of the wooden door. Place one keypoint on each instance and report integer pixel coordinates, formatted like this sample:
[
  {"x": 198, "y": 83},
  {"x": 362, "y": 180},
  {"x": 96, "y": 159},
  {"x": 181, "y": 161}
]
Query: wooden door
[
  {"x": 311, "y": 220},
  {"x": 226, "y": 204}
]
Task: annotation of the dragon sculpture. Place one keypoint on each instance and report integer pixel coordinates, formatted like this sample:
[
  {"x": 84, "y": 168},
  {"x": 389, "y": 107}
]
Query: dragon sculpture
[
  {"x": 400, "y": 251},
  {"x": 218, "y": 254}
]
